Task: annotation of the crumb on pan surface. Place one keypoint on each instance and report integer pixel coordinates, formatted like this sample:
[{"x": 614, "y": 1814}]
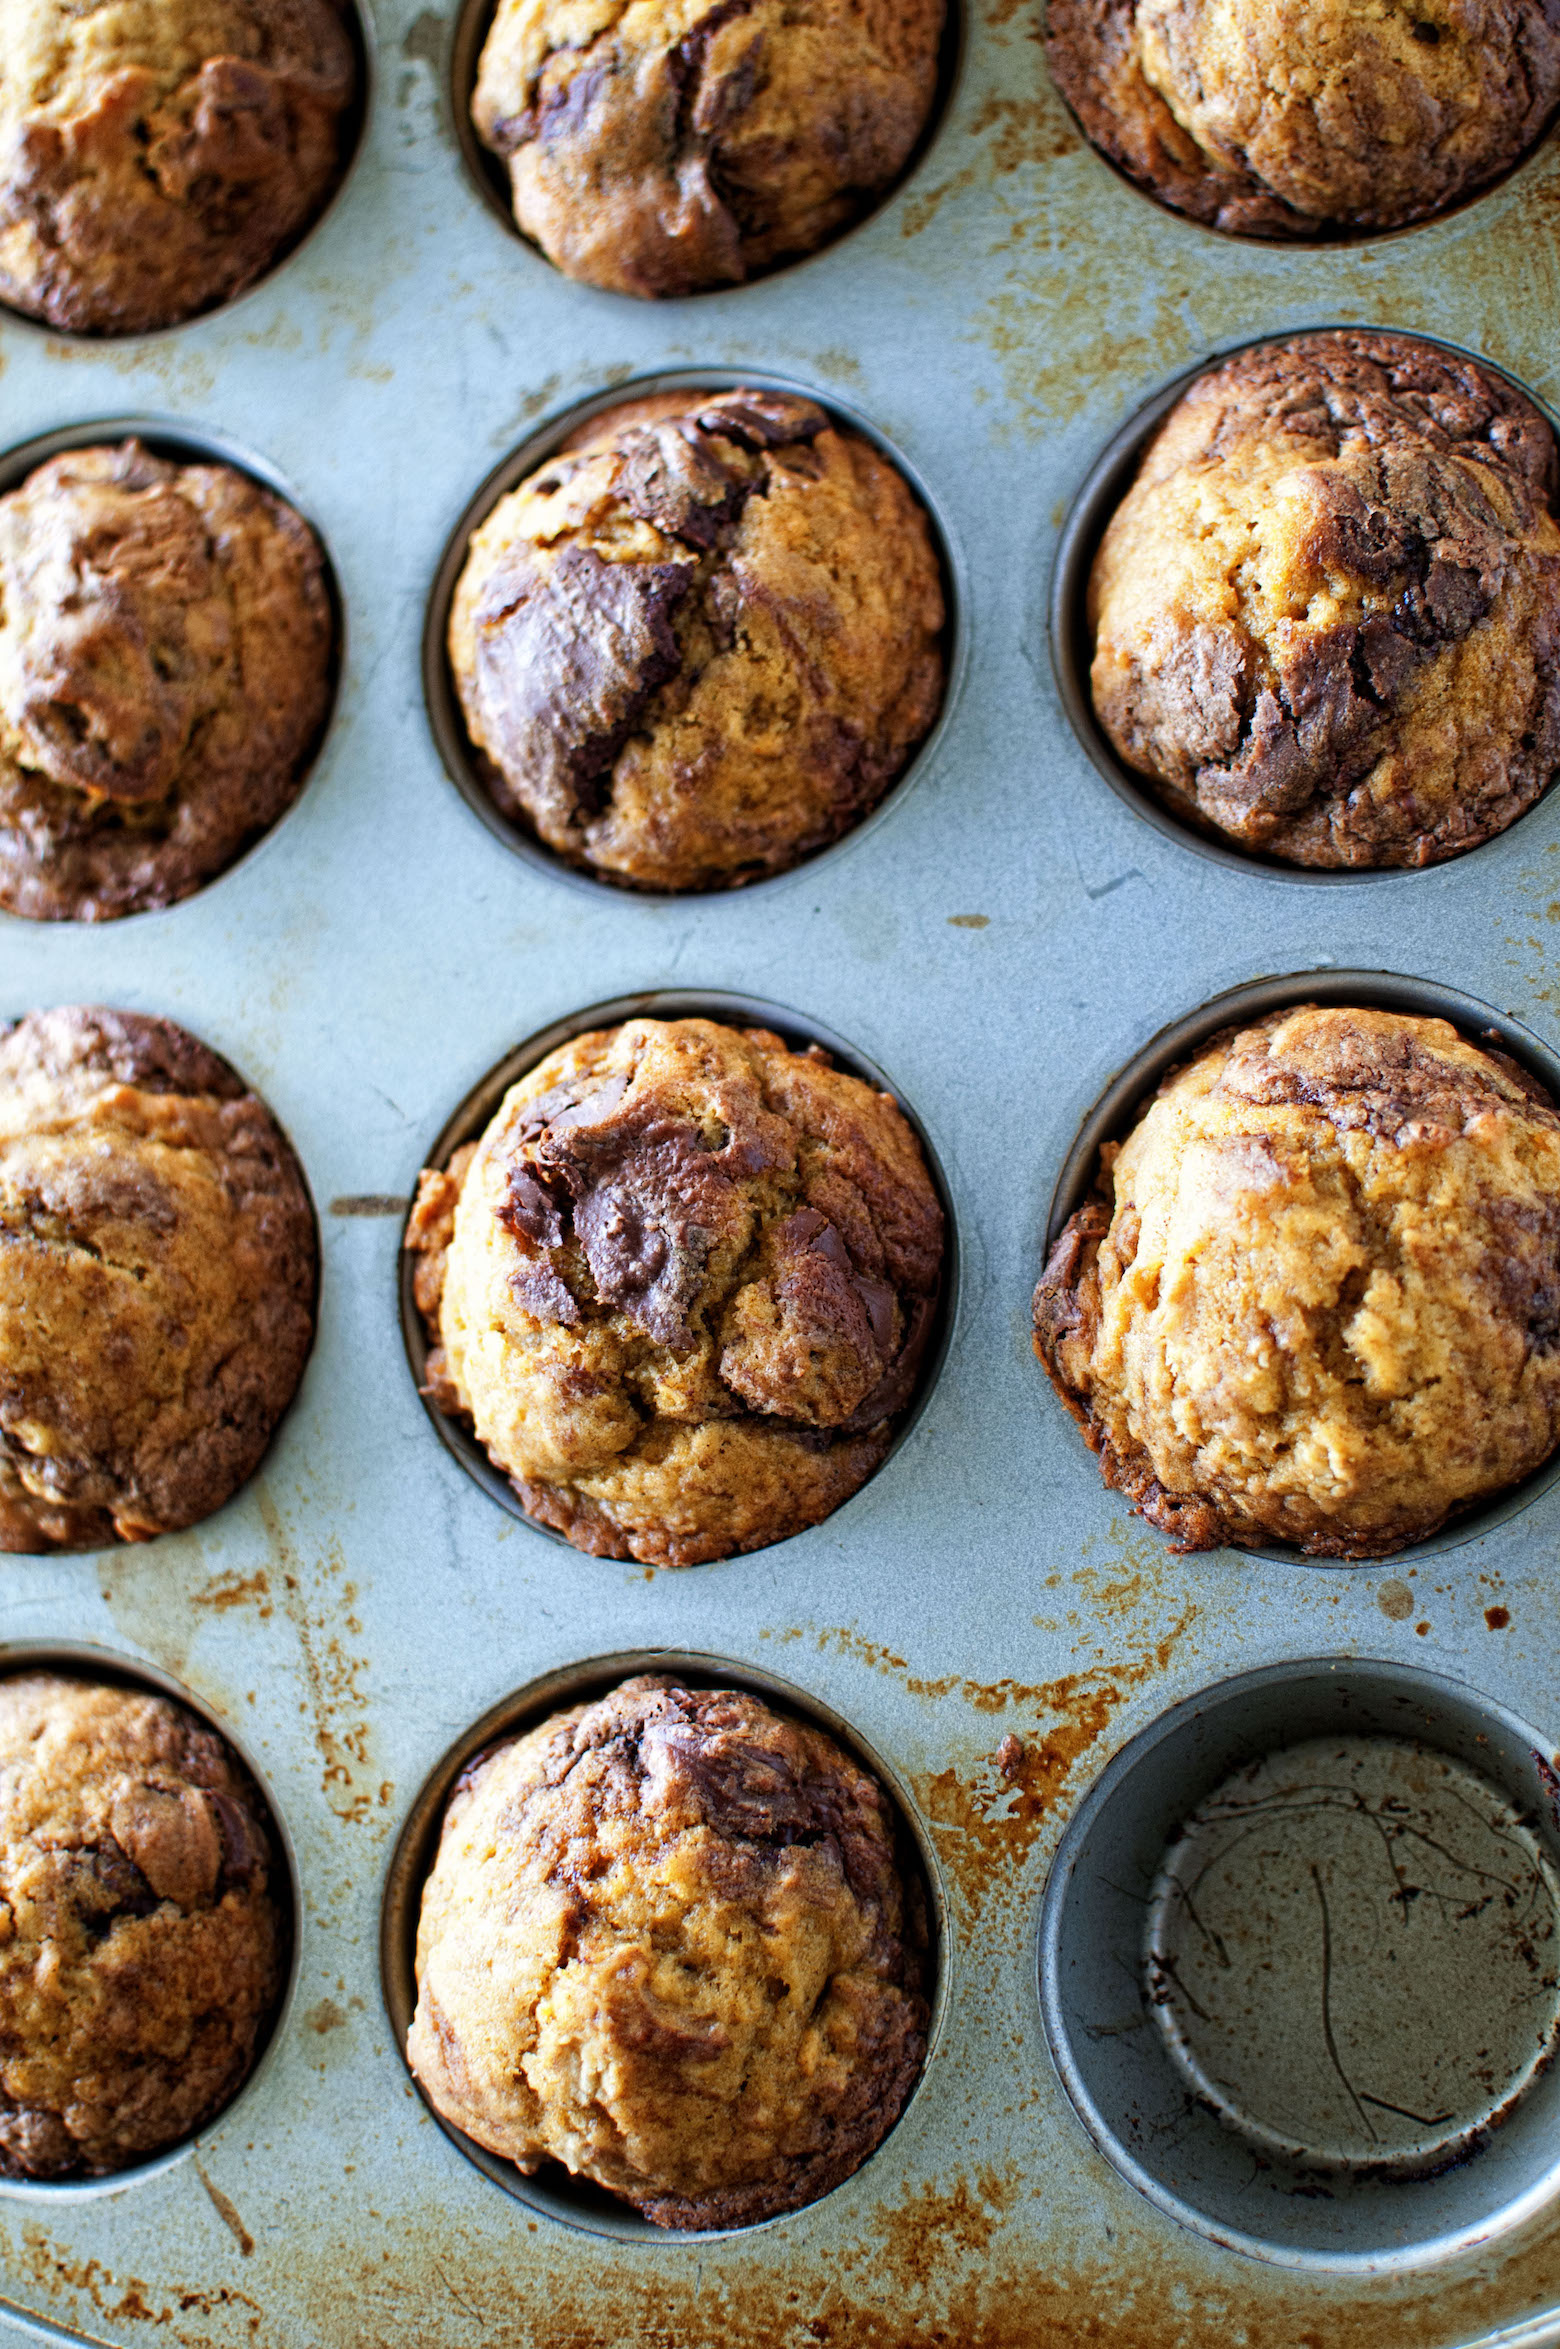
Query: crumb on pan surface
[
  {"x": 666, "y": 1943},
  {"x": 1315, "y": 1296},
  {"x": 701, "y": 641},
  {"x": 1326, "y": 616},
  {"x": 157, "y": 1279},
  {"x": 141, "y": 1950},
  {"x": 682, "y": 1287},
  {"x": 1308, "y": 118},
  {"x": 159, "y": 155},
  {"x": 668, "y": 146},
  {"x": 166, "y": 649}
]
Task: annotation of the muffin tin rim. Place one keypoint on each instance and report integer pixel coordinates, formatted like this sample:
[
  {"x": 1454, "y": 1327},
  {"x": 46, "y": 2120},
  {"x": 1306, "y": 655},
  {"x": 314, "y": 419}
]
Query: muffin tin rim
[
  {"x": 441, "y": 700},
  {"x": 415, "y": 1849},
  {"x": 1414, "y": 1682},
  {"x": 179, "y": 442},
  {"x": 91, "y": 1660},
  {"x": 360, "y": 115},
  {"x": 1096, "y": 500},
  {"x": 1128, "y": 1092},
  {"x": 470, "y": 1119}
]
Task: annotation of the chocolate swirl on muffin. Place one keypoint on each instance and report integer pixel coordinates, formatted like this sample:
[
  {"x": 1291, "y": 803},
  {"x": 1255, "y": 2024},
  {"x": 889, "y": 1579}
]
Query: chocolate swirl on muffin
[
  {"x": 1326, "y": 616},
  {"x": 682, "y": 1287}
]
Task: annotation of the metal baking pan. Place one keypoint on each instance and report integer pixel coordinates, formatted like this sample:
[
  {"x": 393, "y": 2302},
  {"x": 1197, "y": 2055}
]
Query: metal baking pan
[{"x": 1004, "y": 938}]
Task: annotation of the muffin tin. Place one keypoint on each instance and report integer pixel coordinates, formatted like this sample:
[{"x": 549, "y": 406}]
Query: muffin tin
[{"x": 1003, "y": 939}]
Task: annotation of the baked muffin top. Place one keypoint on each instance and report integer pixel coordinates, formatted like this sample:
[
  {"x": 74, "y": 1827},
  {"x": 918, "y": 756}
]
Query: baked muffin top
[
  {"x": 142, "y": 1947},
  {"x": 160, "y": 155},
  {"x": 166, "y": 645},
  {"x": 1308, "y": 118},
  {"x": 665, "y": 1943},
  {"x": 1315, "y": 1298},
  {"x": 682, "y": 1287},
  {"x": 670, "y": 146},
  {"x": 1326, "y": 616},
  {"x": 701, "y": 641},
  {"x": 157, "y": 1279}
]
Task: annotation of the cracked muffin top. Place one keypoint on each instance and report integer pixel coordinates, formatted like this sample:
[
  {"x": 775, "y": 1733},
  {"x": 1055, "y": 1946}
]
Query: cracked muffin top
[
  {"x": 141, "y": 1949},
  {"x": 1315, "y": 1297},
  {"x": 166, "y": 646},
  {"x": 682, "y": 1287},
  {"x": 160, "y": 155},
  {"x": 701, "y": 641},
  {"x": 157, "y": 1279},
  {"x": 1308, "y": 118},
  {"x": 665, "y": 1942},
  {"x": 1326, "y": 616},
  {"x": 667, "y": 146}
]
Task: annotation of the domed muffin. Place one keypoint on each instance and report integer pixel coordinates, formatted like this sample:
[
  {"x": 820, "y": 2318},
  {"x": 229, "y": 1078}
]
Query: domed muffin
[
  {"x": 1308, "y": 118},
  {"x": 682, "y": 1287},
  {"x": 673, "y": 146},
  {"x": 701, "y": 641},
  {"x": 157, "y": 1279},
  {"x": 166, "y": 647},
  {"x": 160, "y": 155},
  {"x": 1315, "y": 1298},
  {"x": 142, "y": 1946},
  {"x": 1326, "y": 616},
  {"x": 665, "y": 1942}
]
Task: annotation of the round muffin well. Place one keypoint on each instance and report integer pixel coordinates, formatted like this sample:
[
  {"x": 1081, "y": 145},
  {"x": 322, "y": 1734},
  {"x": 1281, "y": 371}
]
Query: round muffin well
[
  {"x": 1267, "y": 118},
  {"x": 1312, "y": 1301},
  {"x": 145, "y": 1926},
  {"x": 157, "y": 1285},
  {"x": 167, "y": 665},
  {"x": 670, "y": 1942},
  {"x": 699, "y": 643},
  {"x": 1324, "y": 620}
]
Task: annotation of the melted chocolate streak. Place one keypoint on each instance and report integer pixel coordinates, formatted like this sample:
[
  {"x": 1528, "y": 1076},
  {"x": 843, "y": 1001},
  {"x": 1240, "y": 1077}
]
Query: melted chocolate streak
[{"x": 641, "y": 1196}]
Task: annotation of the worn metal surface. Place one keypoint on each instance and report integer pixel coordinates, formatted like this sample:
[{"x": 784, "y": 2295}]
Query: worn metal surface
[{"x": 1004, "y": 939}]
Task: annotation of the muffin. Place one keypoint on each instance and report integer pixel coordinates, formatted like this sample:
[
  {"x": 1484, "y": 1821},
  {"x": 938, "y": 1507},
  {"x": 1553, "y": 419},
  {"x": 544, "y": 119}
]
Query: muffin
[
  {"x": 1308, "y": 118},
  {"x": 665, "y": 1943},
  {"x": 1326, "y": 616},
  {"x": 1315, "y": 1296},
  {"x": 157, "y": 1279},
  {"x": 142, "y": 1950},
  {"x": 701, "y": 641},
  {"x": 681, "y": 1288},
  {"x": 166, "y": 651},
  {"x": 670, "y": 147},
  {"x": 160, "y": 155}
]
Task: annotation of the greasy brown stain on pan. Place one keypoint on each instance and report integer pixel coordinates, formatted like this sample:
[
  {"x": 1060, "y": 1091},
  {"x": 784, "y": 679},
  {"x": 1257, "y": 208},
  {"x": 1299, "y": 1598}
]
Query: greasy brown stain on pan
[
  {"x": 179, "y": 443},
  {"x": 1130, "y": 1091},
  {"x": 1072, "y": 651},
  {"x": 577, "y": 2201},
  {"x": 467, "y": 767},
  {"x": 80, "y": 1660},
  {"x": 468, "y": 36},
  {"x": 475, "y": 1113}
]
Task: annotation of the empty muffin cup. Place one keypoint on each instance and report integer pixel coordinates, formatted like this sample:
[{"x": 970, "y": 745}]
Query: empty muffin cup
[
  {"x": 1300, "y": 1965},
  {"x": 697, "y": 1847},
  {"x": 650, "y": 725}
]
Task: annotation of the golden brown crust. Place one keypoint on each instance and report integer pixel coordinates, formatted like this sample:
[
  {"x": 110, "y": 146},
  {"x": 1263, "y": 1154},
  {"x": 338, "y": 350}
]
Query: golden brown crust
[
  {"x": 701, "y": 641},
  {"x": 141, "y": 1946},
  {"x": 1316, "y": 1297},
  {"x": 665, "y": 1942},
  {"x": 166, "y": 644},
  {"x": 160, "y": 155},
  {"x": 157, "y": 1279},
  {"x": 1308, "y": 118},
  {"x": 683, "y": 1289},
  {"x": 665, "y": 146},
  {"x": 1326, "y": 616}
]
